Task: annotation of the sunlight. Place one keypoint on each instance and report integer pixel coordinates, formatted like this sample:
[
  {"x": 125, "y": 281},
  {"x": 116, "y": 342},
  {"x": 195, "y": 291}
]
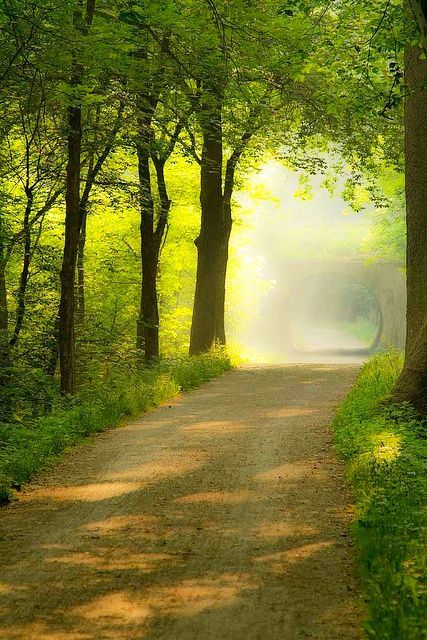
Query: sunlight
[
  {"x": 303, "y": 286},
  {"x": 186, "y": 598},
  {"x": 113, "y": 608},
  {"x": 215, "y": 428},
  {"x": 279, "y": 562},
  {"x": 84, "y": 493},
  {"x": 218, "y": 497},
  {"x": 387, "y": 446},
  {"x": 167, "y": 466},
  {"x": 142, "y": 524},
  {"x": 41, "y": 630},
  {"x": 115, "y": 560},
  {"x": 213, "y": 318}
]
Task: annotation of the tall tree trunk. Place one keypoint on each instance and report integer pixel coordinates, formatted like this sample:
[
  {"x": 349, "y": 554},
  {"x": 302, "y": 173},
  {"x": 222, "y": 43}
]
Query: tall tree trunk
[
  {"x": 147, "y": 341},
  {"x": 80, "y": 293},
  {"x": 6, "y": 401},
  {"x": 4, "y": 338},
  {"x": 419, "y": 9},
  {"x": 412, "y": 384},
  {"x": 72, "y": 232},
  {"x": 210, "y": 243},
  {"x": 20, "y": 312},
  {"x": 94, "y": 167},
  {"x": 52, "y": 362},
  {"x": 148, "y": 321},
  {"x": 220, "y": 335},
  {"x": 73, "y": 219}
]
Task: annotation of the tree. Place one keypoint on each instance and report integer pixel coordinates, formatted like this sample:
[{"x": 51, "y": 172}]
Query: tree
[
  {"x": 412, "y": 384},
  {"x": 419, "y": 8}
]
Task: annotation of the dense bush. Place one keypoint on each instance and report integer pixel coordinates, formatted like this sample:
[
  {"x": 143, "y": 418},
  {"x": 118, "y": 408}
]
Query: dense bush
[
  {"x": 385, "y": 448},
  {"x": 28, "y": 445}
]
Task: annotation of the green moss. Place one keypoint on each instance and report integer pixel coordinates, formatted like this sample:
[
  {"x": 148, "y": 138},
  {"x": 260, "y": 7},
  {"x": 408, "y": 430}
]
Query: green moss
[
  {"x": 27, "y": 448},
  {"x": 385, "y": 451}
]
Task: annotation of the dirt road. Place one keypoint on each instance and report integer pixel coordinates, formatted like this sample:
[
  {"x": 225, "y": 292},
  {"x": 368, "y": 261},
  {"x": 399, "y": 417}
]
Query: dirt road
[{"x": 220, "y": 517}]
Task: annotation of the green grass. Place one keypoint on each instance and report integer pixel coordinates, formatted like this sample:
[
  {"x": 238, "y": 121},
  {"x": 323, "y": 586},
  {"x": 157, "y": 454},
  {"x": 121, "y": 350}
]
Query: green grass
[
  {"x": 384, "y": 448},
  {"x": 29, "y": 446}
]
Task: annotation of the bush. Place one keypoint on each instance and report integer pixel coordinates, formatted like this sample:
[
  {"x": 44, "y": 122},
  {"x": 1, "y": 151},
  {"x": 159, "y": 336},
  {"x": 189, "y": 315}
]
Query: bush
[
  {"x": 385, "y": 450},
  {"x": 26, "y": 448}
]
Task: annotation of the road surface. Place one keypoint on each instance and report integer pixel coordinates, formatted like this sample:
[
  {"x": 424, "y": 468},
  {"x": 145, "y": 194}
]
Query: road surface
[{"x": 222, "y": 516}]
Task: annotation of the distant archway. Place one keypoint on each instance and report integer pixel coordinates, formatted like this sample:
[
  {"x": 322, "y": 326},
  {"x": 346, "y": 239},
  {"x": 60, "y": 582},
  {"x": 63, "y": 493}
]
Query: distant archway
[
  {"x": 380, "y": 287},
  {"x": 331, "y": 313}
]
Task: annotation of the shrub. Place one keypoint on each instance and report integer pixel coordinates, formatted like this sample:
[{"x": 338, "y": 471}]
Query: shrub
[
  {"x": 385, "y": 450},
  {"x": 27, "y": 447}
]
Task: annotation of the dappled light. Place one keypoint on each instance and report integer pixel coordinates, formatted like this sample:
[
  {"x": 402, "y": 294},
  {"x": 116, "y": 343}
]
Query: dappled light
[
  {"x": 217, "y": 518},
  {"x": 85, "y": 493},
  {"x": 218, "y": 497},
  {"x": 387, "y": 446},
  {"x": 279, "y": 562},
  {"x": 213, "y": 319}
]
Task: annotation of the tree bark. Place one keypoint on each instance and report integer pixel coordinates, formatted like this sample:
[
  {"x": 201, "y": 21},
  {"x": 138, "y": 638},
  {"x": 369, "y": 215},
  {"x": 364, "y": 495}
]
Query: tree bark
[
  {"x": 208, "y": 327},
  {"x": 72, "y": 233},
  {"x": 4, "y": 323},
  {"x": 148, "y": 320},
  {"x": 152, "y": 233},
  {"x": 20, "y": 312},
  {"x": 412, "y": 384},
  {"x": 419, "y": 9},
  {"x": 210, "y": 243},
  {"x": 220, "y": 334},
  {"x": 80, "y": 292},
  {"x": 73, "y": 217},
  {"x": 94, "y": 167}
]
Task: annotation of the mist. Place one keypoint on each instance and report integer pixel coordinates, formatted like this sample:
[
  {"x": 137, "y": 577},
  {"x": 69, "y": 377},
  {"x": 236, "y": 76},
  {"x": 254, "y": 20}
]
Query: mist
[{"x": 301, "y": 263}]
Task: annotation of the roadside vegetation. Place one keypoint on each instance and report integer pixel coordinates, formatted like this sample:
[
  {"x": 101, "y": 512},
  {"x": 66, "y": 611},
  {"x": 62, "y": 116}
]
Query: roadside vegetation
[
  {"x": 384, "y": 447},
  {"x": 33, "y": 441}
]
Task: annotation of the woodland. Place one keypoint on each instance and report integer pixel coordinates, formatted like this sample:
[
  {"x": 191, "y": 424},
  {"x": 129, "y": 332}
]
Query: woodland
[{"x": 127, "y": 127}]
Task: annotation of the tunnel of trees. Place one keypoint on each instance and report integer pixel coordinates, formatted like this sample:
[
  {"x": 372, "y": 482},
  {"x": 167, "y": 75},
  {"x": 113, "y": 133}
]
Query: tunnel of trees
[
  {"x": 126, "y": 129},
  {"x": 335, "y": 315},
  {"x": 133, "y": 134}
]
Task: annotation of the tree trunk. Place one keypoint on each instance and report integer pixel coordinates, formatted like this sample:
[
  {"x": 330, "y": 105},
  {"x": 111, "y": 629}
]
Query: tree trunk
[
  {"x": 73, "y": 219},
  {"x": 80, "y": 293},
  {"x": 412, "y": 384},
  {"x": 52, "y": 362},
  {"x": 20, "y": 313},
  {"x": 220, "y": 335},
  {"x": 72, "y": 232},
  {"x": 4, "y": 338},
  {"x": 419, "y": 9},
  {"x": 148, "y": 321},
  {"x": 210, "y": 243}
]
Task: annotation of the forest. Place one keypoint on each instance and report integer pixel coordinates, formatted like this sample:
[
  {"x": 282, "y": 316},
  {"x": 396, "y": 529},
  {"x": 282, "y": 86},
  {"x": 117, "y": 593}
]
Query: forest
[{"x": 143, "y": 147}]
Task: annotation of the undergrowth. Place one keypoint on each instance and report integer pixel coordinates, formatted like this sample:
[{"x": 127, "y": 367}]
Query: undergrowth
[
  {"x": 27, "y": 446},
  {"x": 385, "y": 451}
]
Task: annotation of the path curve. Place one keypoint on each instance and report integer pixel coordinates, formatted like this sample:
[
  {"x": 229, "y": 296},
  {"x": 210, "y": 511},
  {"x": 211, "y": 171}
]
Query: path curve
[{"x": 222, "y": 516}]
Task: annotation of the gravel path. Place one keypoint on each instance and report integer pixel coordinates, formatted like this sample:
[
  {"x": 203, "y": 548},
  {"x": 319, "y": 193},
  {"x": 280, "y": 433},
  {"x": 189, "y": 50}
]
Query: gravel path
[{"x": 220, "y": 517}]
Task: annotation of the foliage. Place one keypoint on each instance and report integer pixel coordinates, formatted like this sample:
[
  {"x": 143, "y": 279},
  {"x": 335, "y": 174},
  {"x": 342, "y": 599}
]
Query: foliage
[
  {"x": 384, "y": 448},
  {"x": 28, "y": 446}
]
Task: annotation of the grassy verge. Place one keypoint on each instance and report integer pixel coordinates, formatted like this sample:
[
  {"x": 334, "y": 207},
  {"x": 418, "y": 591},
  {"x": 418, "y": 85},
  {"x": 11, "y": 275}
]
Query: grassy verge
[
  {"x": 385, "y": 452},
  {"x": 26, "y": 448}
]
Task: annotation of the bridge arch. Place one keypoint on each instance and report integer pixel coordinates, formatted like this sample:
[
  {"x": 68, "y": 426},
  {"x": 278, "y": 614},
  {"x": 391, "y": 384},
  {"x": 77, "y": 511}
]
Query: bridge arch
[{"x": 384, "y": 283}]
